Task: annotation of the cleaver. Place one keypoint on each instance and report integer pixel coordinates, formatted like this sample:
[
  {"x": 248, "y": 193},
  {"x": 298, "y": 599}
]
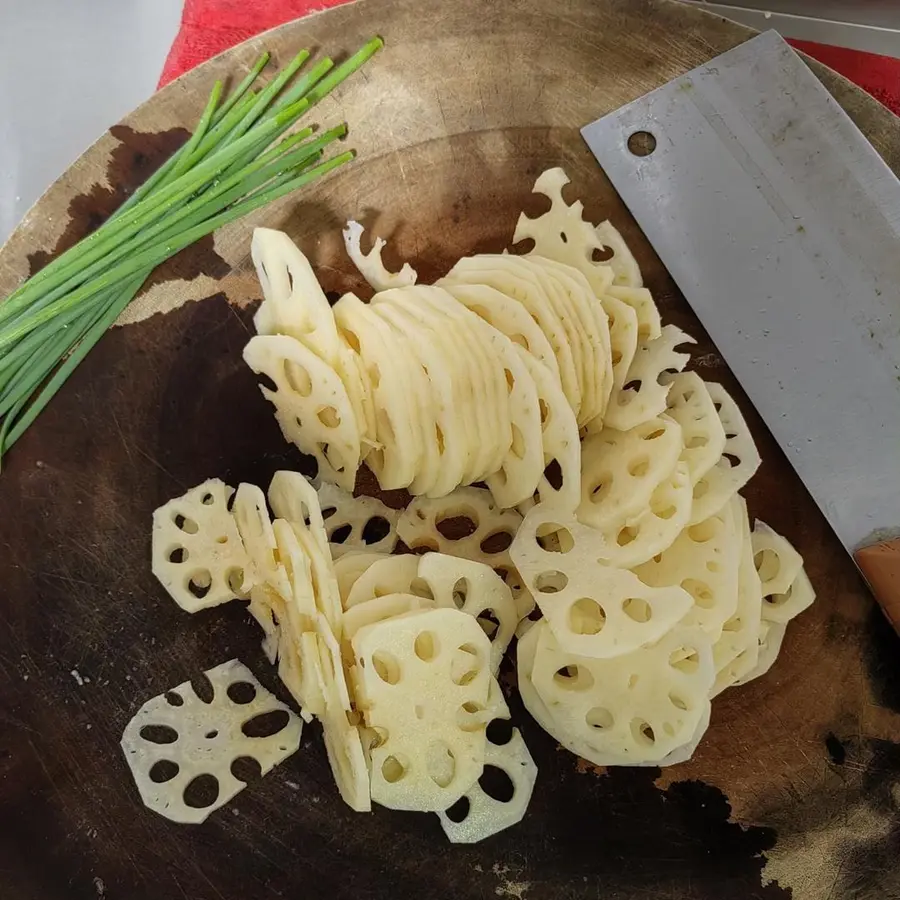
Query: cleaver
[{"x": 779, "y": 222}]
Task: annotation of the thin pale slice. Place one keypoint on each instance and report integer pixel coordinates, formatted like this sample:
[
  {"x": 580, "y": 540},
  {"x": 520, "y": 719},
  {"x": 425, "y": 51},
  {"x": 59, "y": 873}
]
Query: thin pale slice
[
  {"x": 197, "y": 552},
  {"x": 382, "y": 607},
  {"x": 704, "y": 560},
  {"x": 736, "y": 466},
  {"x": 782, "y": 608},
  {"x": 776, "y": 561},
  {"x": 646, "y": 389},
  {"x": 477, "y": 590},
  {"x": 626, "y": 272},
  {"x": 592, "y": 331},
  {"x": 483, "y": 815},
  {"x": 639, "y": 707},
  {"x": 295, "y": 303},
  {"x": 561, "y": 482},
  {"x": 468, "y": 524},
  {"x": 451, "y": 437},
  {"x": 692, "y": 407},
  {"x": 562, "y": 233},
  {"x": 356, "y": 523},
  {"x": 641, "y": 301},
  {"x": 251, "y": 516},
  {"x": 620, "y": 470},
  {"x": 508, "y": 316},
  {"x": 503, "y": 274},
  {"x": 397, "y": 455},
  {"x": 208, "y": 736},
  {"x": 736, "y": 652},
  {"x": 370, "y": 265},
  {"x": 414, "y": 674},
  {"x": 594, "y": 610},
  {"x": 623, "y": 345},
  {"x": 771, "y": 636},
  {"x": 350, "y": 567},
  {"x": 312, "y": 406},
  {"x": 633, "y": 541},
  {"x": 391, "y": 575}
]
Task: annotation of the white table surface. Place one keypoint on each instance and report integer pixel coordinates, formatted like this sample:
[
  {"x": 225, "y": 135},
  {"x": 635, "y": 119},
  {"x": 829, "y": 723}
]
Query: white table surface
[{"x": 68, "y": 70}]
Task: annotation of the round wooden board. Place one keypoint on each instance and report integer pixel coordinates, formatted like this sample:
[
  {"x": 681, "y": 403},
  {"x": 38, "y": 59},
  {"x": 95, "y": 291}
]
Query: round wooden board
[{"x": 794, "y": 791}]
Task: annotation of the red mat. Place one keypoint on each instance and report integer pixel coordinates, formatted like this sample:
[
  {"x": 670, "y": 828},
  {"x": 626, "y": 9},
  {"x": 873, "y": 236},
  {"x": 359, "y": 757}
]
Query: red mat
[{"x": 210, "y": 26}]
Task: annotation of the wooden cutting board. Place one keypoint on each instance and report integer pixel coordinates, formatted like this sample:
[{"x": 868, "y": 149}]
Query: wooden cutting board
[{"x": 795, "y": 790}]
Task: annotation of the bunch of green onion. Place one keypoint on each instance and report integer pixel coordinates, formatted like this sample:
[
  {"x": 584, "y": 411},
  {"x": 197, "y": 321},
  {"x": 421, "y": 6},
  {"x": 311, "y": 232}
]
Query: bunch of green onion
[{"x": 235, "y": 162}]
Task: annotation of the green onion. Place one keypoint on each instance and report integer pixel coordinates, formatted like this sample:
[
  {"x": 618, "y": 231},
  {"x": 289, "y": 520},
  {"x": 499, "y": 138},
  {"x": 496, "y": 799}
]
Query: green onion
[{"x": 237, "y": 161}]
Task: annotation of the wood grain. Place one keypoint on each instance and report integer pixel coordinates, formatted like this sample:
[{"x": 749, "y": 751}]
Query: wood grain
[{"x": 467, "y": 104}]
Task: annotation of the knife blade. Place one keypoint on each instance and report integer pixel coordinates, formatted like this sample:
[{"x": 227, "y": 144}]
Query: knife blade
[{"x": 779, "y": 222}]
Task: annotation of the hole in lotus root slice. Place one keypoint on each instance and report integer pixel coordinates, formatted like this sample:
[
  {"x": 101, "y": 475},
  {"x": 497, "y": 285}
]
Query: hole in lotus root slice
[
  {"x": 611, "y": 628},
  {"x": 641, "y": 301},
  {"x": 638, "y": 722},
  {"x": 630, "y": 406},
  {"x": 486, "y": 812},
  {"x": 620, "y": 470},
  {"x": 370, "y": 265},
  {"x": 485, "y": 593},
  {"x": 325, "y": 417},
  {"x": 175, "y": 790},
  {"x": 707, "y": 570},
  {"x": 349, "y": 567},
  {"x": 391, "y": 575},
  {"x": 777, "y": 562},
  {"x": 781, "y": 608},
  {"x": 442, "y": 689},
  {"x": 724, "y": 479},
  {"x": 361, "y": 523},
  {"x": 692, "y": 407},
  {"x": 206, "y": 541}
]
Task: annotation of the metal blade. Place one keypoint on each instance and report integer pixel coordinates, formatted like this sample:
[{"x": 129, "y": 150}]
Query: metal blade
[{"x": 779, "y": 222}]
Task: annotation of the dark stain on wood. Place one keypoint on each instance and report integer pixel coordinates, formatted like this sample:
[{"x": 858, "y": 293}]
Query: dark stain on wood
[{"x": 137, "y": 156}]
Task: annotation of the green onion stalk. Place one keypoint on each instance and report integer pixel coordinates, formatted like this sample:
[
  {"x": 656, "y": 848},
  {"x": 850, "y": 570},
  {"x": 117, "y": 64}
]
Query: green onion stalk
[{"x": 239, "y": 158}]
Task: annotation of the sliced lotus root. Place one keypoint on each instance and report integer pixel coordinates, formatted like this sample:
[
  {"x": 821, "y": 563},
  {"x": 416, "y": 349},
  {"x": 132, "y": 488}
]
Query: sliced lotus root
[
  {"x": 251, "y": 516},
  {"x": 293, "y": 498},
  {"x": 343, "y": 741},
  {"x": 356, "y": 523},
  {"x": 370, "y": 265},
  {"x": 477, "y": 590},
  {"x": 477, "y": 814},
  {"x": 180, "y": 748},
  {"x": 685, "y": 751},
  {"x": 468, "y": 524},
  {"x": 450, "y": 435},
  {"x": 623, "y": 344},
  {"x": 562, "y": 233},
  {"x": 415, "y": 675},
  {"x": 782, "y": 608},
  {"x": 771, "y": 636},
  {"x": 776, "y": 561},
  {"x": 489, "y": 373},
  {"x": 594, "y": 610},
  {"x": 198, "y": 555},
  {"x": 735, "y": 653},
  {"x": 592, "y": 327},
  {"x": 392, "y": 374},
  {"x": 561, "y": 482},
  {"x": 644, "y": 394},
  {"x": 626, "y": 271},
  {"x": 630, "y": 542},
  {"x": 638, "y": 707},
  {"x": 350, "y": 567},
  {"x": 295, "y": 303},
  {"x": 736, "y": 466},
  {"x": 503, "y": 274},
  {"x": 620, "y": 470},
  {"x": 311, "y": 403},
  {"x": 704, "y": 560},
  {"x": 692, "y": 407},
  {"x": 506, "y": 315},
  {"x": 391, "y": 575},
  {"x": 641, "y": 301},
  {"x": 386, "y": 606}
]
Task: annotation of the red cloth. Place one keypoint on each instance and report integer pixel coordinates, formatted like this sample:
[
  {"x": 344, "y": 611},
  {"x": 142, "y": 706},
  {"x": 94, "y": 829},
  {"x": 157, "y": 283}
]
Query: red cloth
[{"x": 209, "y": 27}]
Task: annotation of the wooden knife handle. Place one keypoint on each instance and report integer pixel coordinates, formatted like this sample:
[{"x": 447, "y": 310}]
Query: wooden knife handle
[{"x": 880, "y": 565}]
